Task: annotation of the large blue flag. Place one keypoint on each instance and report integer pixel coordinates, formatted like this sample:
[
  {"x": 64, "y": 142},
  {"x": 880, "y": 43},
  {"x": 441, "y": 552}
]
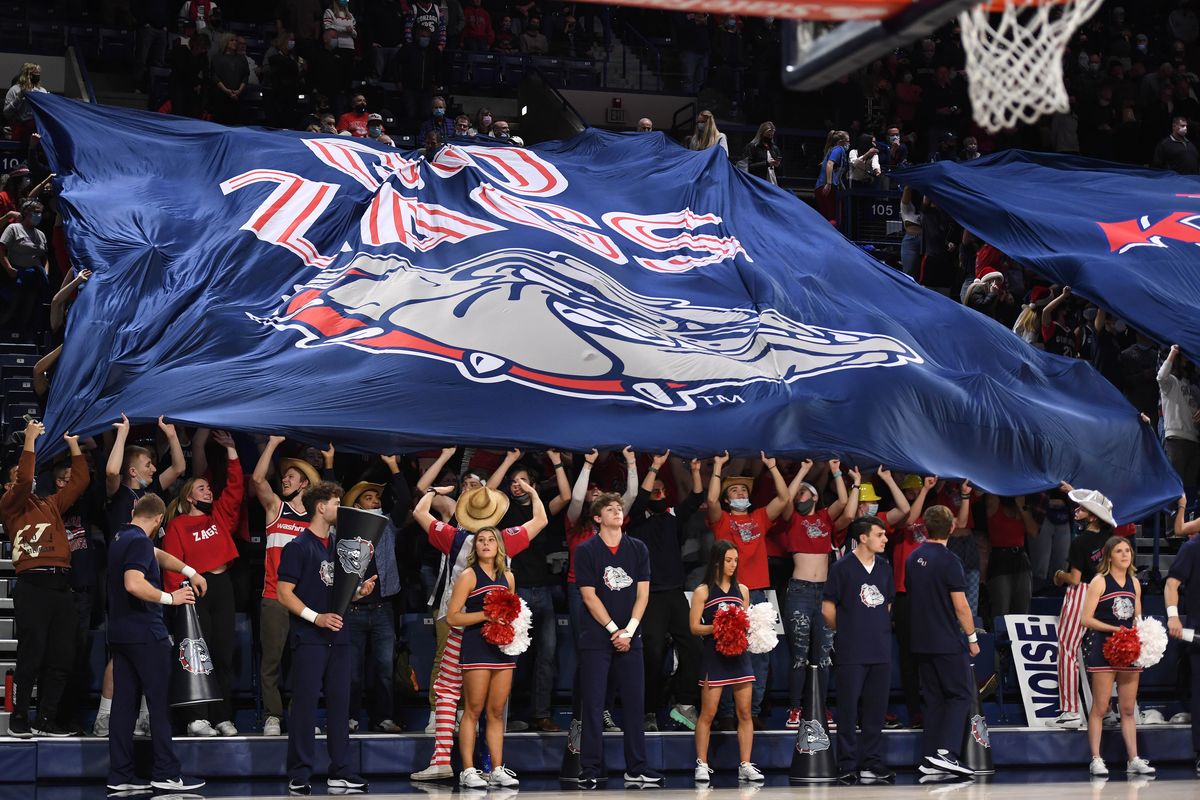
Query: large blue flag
[
  {"x": 1123, "y": 238},
  {"x": 606, "y": 290}
]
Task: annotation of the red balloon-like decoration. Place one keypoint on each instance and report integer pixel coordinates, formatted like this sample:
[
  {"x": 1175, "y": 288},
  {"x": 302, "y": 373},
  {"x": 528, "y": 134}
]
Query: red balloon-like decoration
[
  {"x": 502, "y": 606},
  {"x": 1122, "y": 648},
  {"x": 731, "y": 630}
]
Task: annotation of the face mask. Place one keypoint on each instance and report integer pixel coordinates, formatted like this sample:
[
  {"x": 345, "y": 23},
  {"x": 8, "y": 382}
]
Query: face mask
[
  {"x": 658, "y": 506},
  {"x": 806, "y": 507},
  {"x": 1182, "y": 132},
  {"x": 699, "y": 126},
  {"x": 362, "y": 109},
  {"x": 423, "y": 41},
  {"x": 502, "y": 135},
  {"x": 36, "y": 219},
  {"x": 972, "y": 149},
  {"x": 486, "y": 120},
  {"x": 142, "y": 484},
  {"x": 894, "y": 139},
  {"x": 439, "y": 112},
  {"x": 34, "y": 80},
  {"x": 740, "y": 504},
  {"x": 374, "y": 131},
  {"x": 287, "y": 498},
  {"x": 872, "y": 508},
  {"x": 203, "y": 507},
  {"x": 343, "y": 3},
  {"x": 376, "y": 511},
  {"x": 291, "y": 45}
]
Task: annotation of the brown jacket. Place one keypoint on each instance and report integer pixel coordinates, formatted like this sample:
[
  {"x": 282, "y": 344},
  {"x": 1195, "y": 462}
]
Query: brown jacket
[{"x": 34, "y": 524}]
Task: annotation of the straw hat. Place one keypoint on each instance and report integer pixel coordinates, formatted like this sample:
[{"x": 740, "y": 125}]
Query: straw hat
[
  {"x": 867, "y": 493},
  {"x": 737, "y": 480},
  {"x": 1093, "y": 501},
  {"x": 480, "y": 508},
  {"x": 306, "y": 469},
  {"x": 351, "y": 497}
]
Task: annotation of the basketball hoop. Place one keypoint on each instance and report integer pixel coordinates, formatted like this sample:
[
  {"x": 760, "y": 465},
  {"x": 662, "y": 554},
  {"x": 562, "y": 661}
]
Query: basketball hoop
[{"x": 1014, "y": 52}]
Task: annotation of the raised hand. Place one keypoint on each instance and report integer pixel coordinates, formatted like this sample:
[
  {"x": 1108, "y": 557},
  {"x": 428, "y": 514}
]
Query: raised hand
[
  {"x": 657, "y": 461},
  {"x": 223, "y": 438},
  {"x": 883, "y": 472},
  {"x": 721, "y": 460},
  {"x": 630, "y": 456},
  {"x": 590, "y": 457},
  {"x": 768, "y": 461},
  {"x": 167, "y": 428},
  {"x": 695, "y": 464},
  {"x": 930, "y": 481},
  {"x": 835, "y": 464},
  {"x": 33, "y": 429},
  {"x": 123, "y": 425},
  {"x": 275, "y": 441},
  {"x": 391, "y": 461},
  {"x": 855, "y": 474},
  {"x": 513, "y": 454}
]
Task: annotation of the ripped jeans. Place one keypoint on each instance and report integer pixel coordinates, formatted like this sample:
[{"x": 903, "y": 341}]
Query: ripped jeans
[{"x": 806, "y": 630}]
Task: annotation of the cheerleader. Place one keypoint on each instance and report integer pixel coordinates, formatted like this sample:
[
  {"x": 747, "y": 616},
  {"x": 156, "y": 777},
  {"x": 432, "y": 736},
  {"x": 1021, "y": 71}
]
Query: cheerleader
[
  {"x": 721, "y": 589},
  {"x": 487, "y": 672},
  {"x": 1114, "y": 600}
]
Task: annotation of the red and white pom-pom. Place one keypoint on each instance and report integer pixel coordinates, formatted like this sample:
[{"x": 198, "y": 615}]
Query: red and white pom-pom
[
  {"x": 731, "y": 628},
  {"x": 763, "y": 637},
  {"x": 502, "y": 606},
  {"x": 1122, "y": 648},
  {"x": 1153, "y": 637},
  {"x": 521, "y": 627}
]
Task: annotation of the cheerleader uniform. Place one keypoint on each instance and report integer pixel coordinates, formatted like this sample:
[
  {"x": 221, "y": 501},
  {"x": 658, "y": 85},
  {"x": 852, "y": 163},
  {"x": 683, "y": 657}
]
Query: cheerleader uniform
[
  {"x": 477, "y": 652},
  {"x": 1117, "y": 606},
  {"x": 717, "y": 669}
]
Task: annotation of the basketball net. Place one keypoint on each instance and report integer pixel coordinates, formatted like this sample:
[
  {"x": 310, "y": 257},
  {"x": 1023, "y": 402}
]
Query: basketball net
[{"x": 1014, "y": 52}]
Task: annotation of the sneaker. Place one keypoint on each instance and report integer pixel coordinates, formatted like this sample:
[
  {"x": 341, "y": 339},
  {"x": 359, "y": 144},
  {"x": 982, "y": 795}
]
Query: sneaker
[
  {"x": 848, "y": 778},
  {"x": 18, "y": 726},
  {"x": 353, "y": 725},
  {"x": 890, "y": 721},
  {"x": 1097, "y": 767},
  {"x": 651, "y": 723},
  {"x": 644, "y": 777},
  {"x": 179, "y": 783},
  {"x": 749, "y": 772},
  {"x": 610, "y": 725},
  {"x": 1198, "y": 763},
  {"x": 1139, "y": 766},
  {"x": 1182, "y": 718},
  {"x": 348, "y": 781},
  {"x": 434, "y": 772},
  {"x": 50, "y": 729},
  {"x": 704, "y": 771},
  {"x": 1068, "y": 720},
  {"x": 201, "y": 727},
  {"x": 793, "y": 719},
  {"x": 588, "y": 780},
  {"x": 299, "y": 788},
  {"x": 830, "y": 723},
  {"x": 472, "y": 778},
  {"x": 685, "y": 716},
  {"x": 227, "y": 728},
  {"x": 946, "y": 763},
  {"x": 503, "y": 777},
  {"x": 142, "y": 726},
  {"x": 271, "y": 727},
  {"x": 878, "y": 775},
  {"x": 927, "y": 767},
  {"x": 517, "y": 726},
  {"x": 388, "y": 726},
  {"x": 431, "y": 726},
  {"x": 99, "y": 728},
  {"x": 546, "y": 725},
  {"x": 130, "y": 787},
  {"x": 1112, "y": 719}
]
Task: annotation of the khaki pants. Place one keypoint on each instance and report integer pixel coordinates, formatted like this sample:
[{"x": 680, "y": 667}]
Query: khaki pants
[{"x": 274, "y": 623}]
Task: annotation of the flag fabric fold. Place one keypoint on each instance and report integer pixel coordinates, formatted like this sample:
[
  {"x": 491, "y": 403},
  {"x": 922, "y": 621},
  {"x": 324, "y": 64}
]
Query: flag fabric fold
[{"x": 607, "y": 290}]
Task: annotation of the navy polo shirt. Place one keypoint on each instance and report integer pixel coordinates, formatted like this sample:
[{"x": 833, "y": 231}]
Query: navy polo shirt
[
  {"x": 130, "y": 620},
  {"x": 864, "y": 623},
  {"x": 307, "y": 562},
  {"x": 615, "y": 577},
  {"x": 1186, "y": 569},
  {"x": 931, "y": 573}
]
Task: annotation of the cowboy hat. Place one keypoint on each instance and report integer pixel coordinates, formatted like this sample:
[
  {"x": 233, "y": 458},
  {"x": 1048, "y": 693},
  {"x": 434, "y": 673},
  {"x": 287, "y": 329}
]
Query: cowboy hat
[
  {"x": 1093, "y": 501},
  {"x": 737, "y": 480},
  {"x": 480, "y": 508},
  {"x": 303, "y": 467},
  {"x": 357, "y": 490}
]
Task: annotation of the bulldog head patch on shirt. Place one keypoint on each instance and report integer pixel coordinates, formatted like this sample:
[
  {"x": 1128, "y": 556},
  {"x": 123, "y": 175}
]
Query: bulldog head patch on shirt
[
  {"x": 616, "y": 579},
  {"x": 870, "y": 595},
  {"x": 1122, "y": 608},
  {"x": 813, "y": 530},
  {"x": 327, "y": 573},
  {"x": 355, "y": 555}
]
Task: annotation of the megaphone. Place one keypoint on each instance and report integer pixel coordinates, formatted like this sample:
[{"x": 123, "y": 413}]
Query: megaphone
[
  {"x": 358, "y": 532},
  {"x": 192, "y": 679}
]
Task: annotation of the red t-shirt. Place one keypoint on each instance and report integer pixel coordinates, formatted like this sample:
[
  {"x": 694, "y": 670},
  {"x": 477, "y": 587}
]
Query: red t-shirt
[
  {"x": 1126, "y": 530},
  {"x": 812, "y": 533},
  {"x": 1005, "y": 531},
  {"x": 950, "y": 496},
  {"x": 911, "y": 537},
  {"x": 749, "y": 533},
  {"x": 577, "y": 534},
  {"x": 354, "y": 122}
]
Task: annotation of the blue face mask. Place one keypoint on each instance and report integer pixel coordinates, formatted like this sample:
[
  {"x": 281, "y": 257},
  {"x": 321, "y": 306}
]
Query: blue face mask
[
  {"x": 439, "y": 112},
  {"x": 35, "y": 219},
  {"x": 374, "y": 131},
  {"x": 739, "y": 504},
  {"x": 423, "y": 41}
]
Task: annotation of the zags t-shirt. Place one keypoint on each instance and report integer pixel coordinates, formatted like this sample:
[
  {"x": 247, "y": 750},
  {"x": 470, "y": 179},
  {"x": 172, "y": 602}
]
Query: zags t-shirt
[{"x": 749, "y": 533}]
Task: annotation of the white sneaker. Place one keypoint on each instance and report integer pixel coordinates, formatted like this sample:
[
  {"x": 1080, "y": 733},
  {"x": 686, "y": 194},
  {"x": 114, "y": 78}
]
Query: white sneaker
[
  {"x": 1097, "y": 766},
  {"x": 431, "y": 726},
  {"x": 749, "y": 772},
  {"x": 1139, "y": 766},
  {"x": 703, "y": 771},
  {"x": 472, "y": 779},
  {"x": 353, "y": 726},
  {"x": 227, "y": 728},
  {"x": 100, "y": 728},
  {"x": 434, "y": 772},
  {"x": 1067, "y": 720},
  {"x": 504, "y": 777},
  {"x": 271, "y": 727},
  {"x": 201, "y": 727},
  {"x": 1112, "y": 719},
  {"x": 142, "y": 727},
  {"x": 1182, "y": 718}
]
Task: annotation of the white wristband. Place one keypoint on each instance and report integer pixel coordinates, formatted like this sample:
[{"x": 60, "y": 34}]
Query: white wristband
[
  {"x": 973, "y": 638},
  {"x": 308, "y": 615},
  {"x": 188, "y": 572},
  {"x": 632, "y": 626},
  {"x": 1172, "y": 611},
  {"x": 611, "y": 627},
  {"x": 165, "y": 598}
]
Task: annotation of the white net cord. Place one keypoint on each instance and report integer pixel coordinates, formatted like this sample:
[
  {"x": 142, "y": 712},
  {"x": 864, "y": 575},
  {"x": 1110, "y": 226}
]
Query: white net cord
[{"x": 1015, "y": 58}]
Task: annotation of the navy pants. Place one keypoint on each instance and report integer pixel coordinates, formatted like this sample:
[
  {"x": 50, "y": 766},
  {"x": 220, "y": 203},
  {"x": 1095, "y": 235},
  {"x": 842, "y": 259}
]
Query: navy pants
[
  {"x": 1194, "y": 658},
  {"x": 869, "y": 684},
  {"x": 628, "y": 670},
  {"x": 140, "y": 669},
  {"x": 317, "y": 666},
  {"x": 946, "y": 689}
]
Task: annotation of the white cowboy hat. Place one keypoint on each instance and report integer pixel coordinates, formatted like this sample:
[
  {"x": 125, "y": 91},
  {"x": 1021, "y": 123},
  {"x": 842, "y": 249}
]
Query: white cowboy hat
[{"x": 1093, "y": 501}]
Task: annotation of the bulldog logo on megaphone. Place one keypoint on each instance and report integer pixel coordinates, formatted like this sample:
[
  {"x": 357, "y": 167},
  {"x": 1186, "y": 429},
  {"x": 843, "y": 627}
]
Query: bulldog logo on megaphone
[
  {"x": 355, "y": 555},
  {"x": 194, "y": 657}
]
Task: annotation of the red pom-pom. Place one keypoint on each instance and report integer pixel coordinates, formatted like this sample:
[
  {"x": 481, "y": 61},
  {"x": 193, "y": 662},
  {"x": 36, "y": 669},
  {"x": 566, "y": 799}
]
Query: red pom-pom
[
  {"x": 498, "y": 633},
  {"x": 502, "y": 606},
  {"x": 731, "y": 629},
  {"x": 1123, "y": 648}
]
